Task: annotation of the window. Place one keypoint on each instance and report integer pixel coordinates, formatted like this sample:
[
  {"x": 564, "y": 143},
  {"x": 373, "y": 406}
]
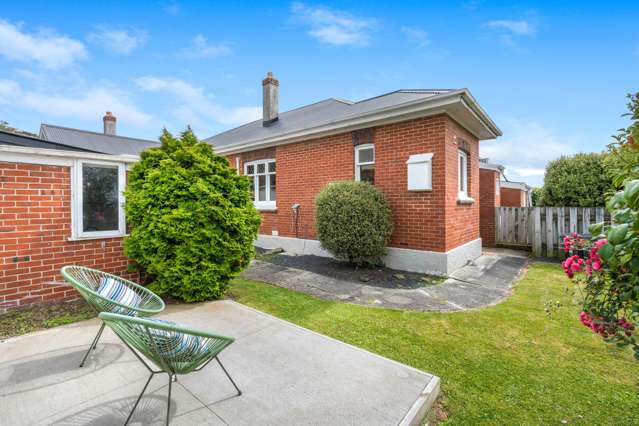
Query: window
[
  {"x": 263, "y": 183},
  {"x": 365, "y": 163},
  {"x": 98, "y": 201},
  {"x": 463, "y": 178}
]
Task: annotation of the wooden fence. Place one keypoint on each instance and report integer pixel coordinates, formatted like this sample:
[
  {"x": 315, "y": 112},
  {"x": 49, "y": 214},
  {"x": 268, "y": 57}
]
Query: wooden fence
[{"x": 540, "y": 229}]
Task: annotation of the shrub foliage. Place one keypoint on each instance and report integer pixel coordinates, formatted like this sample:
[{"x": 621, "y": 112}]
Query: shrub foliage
[
  {"x": 576, "y": 181},
  {"x": 609, "y": 275},
  {"x": 192, "y": 220},
  {"x": 353, "y": 221},
  {"x": 622, "y": 161}
]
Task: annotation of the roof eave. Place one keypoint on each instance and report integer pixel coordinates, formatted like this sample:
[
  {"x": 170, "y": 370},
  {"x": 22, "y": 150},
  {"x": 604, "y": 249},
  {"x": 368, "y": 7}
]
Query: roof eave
[{"x": 439, "y": 104}]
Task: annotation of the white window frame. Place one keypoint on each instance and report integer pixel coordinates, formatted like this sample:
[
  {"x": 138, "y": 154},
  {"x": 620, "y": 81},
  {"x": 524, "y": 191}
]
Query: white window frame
[
  {"x": 358, "y": 164},
  {"x": 462, "y": 178},
  {"x": 262, "y": 205},
  {"x": 77, "y": 231}
]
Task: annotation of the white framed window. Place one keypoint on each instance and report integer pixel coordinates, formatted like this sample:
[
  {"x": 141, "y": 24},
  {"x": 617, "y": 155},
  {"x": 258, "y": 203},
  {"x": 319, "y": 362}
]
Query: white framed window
[
  {"x": 98, "y": 200},
  {"x": 261, "y": 173},
  {"x": 365, "y": 163},
  {"x": 462, "y": 178}
]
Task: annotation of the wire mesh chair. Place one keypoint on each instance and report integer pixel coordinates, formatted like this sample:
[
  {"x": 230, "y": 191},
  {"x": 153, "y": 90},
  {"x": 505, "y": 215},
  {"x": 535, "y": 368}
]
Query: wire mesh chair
[
  {"x": 141, "y": 302},
  {"x": 172, "y": 348}
]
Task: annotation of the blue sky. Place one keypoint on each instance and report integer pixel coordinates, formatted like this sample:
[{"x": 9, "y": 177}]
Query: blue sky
[{"x": 552, "y": 76}]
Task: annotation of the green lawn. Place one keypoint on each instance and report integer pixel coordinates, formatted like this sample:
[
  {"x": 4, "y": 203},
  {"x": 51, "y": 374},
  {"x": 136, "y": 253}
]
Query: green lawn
[{"x": 507, "y": 364}]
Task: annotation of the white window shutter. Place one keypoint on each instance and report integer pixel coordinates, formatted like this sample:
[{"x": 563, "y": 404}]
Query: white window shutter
[{"x": 420, "y": 172}]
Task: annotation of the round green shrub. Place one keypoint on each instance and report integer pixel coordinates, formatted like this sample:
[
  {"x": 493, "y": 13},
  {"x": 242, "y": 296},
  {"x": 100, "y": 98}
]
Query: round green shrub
[
  {"x": 353, "y": 221},
  {"x": 192, "y": 219}
]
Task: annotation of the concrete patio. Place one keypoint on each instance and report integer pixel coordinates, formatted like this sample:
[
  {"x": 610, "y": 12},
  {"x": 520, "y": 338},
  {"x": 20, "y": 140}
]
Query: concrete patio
[{"x": 289, "y": 375}]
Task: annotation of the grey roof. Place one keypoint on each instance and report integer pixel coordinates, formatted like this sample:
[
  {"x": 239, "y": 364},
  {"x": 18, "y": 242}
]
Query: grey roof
[
  {"x": 96, "y": 142},
  {"x": 14, "y": 139},
  {"x": 316, "y": 114}
]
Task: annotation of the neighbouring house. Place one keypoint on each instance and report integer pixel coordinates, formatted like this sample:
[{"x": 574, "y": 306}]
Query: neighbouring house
[
  {"x": 419, "y": 147},
  {"x": 489, "y": 199},
  {"x": 515, "y": 194},
  {"x": 61, "y": 203}
]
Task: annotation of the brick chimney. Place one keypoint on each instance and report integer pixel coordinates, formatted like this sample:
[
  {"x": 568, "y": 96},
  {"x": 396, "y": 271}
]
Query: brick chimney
[
  {"x": 270, "y": 92},
  {"x": 109, "y": 124}
]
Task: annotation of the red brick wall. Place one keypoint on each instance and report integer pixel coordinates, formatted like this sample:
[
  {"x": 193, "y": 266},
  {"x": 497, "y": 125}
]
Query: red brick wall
[
  {"x": 35, "y": 224},
  {"x": 511, "y": 197},
  {"x": 488, "y": 199},
  {"x": 420, "y": 218},
  {"x": 462, "y": 220}
]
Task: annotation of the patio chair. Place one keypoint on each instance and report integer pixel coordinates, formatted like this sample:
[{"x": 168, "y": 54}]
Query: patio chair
[
  {"x": 109, "y": 293},
  {"x": 172, "y": 348}
]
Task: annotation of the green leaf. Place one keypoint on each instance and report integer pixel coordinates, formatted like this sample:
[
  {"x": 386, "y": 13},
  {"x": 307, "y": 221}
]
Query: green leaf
[
  {"x": 631, "y": 193},
  {"x": 615, "y": 201},
  {"x": 623, "y": 215},
  {"x": 595, "y": 228},
  {"x": 617, "y": 233},
  {"x": 606, "y": 251}
]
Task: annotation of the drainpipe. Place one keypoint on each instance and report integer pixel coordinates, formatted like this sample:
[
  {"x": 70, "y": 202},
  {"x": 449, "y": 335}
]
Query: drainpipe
[{"x": 296, "y": 219}]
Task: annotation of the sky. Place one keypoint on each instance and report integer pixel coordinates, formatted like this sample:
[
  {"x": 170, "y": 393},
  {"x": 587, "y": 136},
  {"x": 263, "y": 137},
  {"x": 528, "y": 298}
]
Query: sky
[{"x": 552, "y": 75}]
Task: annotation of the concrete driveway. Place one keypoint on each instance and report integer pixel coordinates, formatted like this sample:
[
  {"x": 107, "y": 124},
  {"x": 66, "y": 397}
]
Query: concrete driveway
[{"x": 288, "y": 375}]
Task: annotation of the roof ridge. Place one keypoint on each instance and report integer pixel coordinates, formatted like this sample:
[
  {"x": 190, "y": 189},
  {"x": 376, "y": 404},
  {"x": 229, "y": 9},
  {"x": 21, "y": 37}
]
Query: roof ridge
[
  {"x": 433, "y": 91},
  {"x": 45, "y": 125}
]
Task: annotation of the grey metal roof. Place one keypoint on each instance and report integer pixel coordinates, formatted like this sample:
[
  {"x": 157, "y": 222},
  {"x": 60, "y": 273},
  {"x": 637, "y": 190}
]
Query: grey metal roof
[
  {"x": 14, "y": 139},
  {"x": 316, "y": 114},
  {"x": 96, "y": 142}
]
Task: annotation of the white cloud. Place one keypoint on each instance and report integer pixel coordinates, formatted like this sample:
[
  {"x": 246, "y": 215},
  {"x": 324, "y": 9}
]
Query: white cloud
[
  {"x": 417, "y": 36},
  {"x": 521, "y": 28},
  {"x": 333, "y": 26},
  {"x": 122, "y": 41},
  {"x": 509, "y": 30},
  {"x": 525, "y": 150},
  {"x": 87, "y": 104},
  {"x": 195, "y": 107},
  {"x": 45, "y": 48},
  {"x": 201, "y": 48}
]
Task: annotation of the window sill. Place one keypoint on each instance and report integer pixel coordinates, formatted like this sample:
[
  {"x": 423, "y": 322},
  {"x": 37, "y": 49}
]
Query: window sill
[
  {"x": 97, "y": 237},
  {"x": 465, "y": 200},
  {"x": 263, "y": 208}
]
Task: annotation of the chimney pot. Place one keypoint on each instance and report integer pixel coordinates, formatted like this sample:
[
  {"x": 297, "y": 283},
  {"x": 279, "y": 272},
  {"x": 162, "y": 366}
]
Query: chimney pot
[
  {"x": 270, "y": 94},
  {"x": 109, "y": 121}
]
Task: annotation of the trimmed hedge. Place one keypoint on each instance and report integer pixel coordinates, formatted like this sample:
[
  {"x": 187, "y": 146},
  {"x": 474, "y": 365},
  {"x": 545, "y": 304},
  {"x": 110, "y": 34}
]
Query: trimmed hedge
[
  {"x": 353, "y": 221},
  {"x": 192, "y": 219},
  {"x": 576, "y": 181}
]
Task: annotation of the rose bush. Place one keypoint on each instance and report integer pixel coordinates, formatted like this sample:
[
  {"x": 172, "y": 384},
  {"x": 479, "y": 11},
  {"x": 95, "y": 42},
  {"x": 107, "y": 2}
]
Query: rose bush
[{"x": 606, "y": 270}]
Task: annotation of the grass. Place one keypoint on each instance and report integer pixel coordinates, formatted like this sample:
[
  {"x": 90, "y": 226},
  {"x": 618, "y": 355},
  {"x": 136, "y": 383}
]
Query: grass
[
  {"x": 22, "y": 321},
  {"x": 506, "y": 364}
]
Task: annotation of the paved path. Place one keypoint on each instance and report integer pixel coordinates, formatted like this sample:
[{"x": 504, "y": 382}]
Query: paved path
[
  {"x": 486, "y": 281},
  {"x": 289, "y": 376}
]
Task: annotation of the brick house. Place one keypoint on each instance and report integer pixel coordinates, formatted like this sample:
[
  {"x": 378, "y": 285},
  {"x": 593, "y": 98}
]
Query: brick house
[
  {"x": 515, "y": 194},
  {"x": 489, "y": 198},
  {"x": 419, "y": 147},
  {"x": 60, "y": 204}
]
